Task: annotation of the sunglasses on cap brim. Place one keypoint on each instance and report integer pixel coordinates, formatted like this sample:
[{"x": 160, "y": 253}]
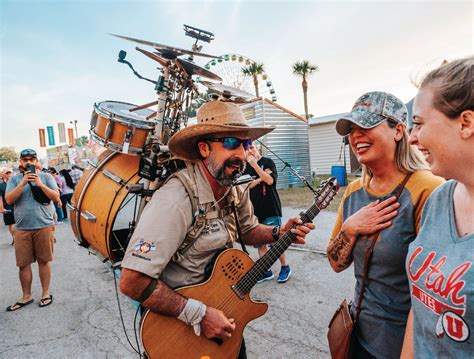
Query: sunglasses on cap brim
[
  {"x": 25, "y": 153},
  {"x": 231, "y": 143}
]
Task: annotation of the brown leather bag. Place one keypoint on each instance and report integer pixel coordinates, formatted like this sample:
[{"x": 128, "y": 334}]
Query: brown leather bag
[
  {"x": 342, "y": 324},
  {"x": 340, "y": 332}
]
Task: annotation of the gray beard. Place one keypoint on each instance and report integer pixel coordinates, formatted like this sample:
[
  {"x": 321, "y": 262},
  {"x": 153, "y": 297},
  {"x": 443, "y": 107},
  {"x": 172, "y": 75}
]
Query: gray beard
[{"x": 218, "y": 171}]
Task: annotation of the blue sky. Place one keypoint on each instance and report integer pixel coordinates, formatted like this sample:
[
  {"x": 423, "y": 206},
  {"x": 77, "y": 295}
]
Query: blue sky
[{"x": 57, "y": 59}]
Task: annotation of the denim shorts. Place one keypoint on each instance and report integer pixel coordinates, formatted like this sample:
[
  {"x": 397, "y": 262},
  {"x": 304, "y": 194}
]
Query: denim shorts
[{"x": 270, "y": 221}]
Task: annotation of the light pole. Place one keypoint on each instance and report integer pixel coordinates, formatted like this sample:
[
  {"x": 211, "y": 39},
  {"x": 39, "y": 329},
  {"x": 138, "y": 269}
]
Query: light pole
[{"x": 75, "y": 127}]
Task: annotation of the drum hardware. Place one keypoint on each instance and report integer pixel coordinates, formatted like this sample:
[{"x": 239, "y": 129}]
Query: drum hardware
[
  {"x": 160, "y": 60},
  {"x": 119, "y": 129},
  {"x": 193, "y": 69},
  {"x": 167, "y": 52},
  {"x": 91, "y": 163},
  {"x": 71, "y": 207},
  {"x": 109, "y": 129},
  {"x": 138, "y": 189},
  {"x": 94, "y": 117},
  {"x": 126, "y": 139},
  {"x": 197, "y": 34},
  {"x": 121, "y": 58},
  {"x": 113, "y": 177},
  {"x": 88, "y": 216},
  {"x": 146, "y": 105}
]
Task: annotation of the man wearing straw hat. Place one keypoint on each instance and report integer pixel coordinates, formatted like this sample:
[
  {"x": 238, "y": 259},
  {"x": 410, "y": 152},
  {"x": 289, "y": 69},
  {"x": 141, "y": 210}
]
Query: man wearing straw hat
[{"x": 169, "y": 248}]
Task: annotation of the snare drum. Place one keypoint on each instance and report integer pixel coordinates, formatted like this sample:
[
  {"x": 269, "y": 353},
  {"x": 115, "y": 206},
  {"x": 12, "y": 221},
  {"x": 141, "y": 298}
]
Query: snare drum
[
  {"x": 118, "y": 129},
  {"x": 98, "y": 202}
]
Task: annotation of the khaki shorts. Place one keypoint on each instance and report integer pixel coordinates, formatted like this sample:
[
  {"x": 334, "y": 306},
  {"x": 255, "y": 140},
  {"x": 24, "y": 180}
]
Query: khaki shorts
[{"x": 34, "y": 245}]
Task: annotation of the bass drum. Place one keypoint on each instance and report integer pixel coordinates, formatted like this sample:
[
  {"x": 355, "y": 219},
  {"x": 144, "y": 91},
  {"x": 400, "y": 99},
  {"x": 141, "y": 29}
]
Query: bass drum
[{"x": 99, "y": 198}]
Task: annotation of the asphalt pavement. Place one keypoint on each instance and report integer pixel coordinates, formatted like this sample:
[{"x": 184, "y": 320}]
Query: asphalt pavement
[{"x": 84, "y": 320}]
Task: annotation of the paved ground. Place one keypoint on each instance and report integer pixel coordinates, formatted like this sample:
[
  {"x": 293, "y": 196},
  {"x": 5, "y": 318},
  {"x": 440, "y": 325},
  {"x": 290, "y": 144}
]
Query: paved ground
[{"x": 84, "y": 320}]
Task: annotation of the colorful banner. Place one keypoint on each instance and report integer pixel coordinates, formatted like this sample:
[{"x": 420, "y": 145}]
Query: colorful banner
[
  {"x": 61, "y": 132},
  {"x": 50, "y": 130},
  {"x": 70, "y": 135},
  {"x": 42, "y": 137}
]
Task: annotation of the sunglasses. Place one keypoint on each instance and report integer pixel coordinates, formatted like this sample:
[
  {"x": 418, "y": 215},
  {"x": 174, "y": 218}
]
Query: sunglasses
[
  {"x": 231, "y": 143},
  {"x": 28, "y": 153}
]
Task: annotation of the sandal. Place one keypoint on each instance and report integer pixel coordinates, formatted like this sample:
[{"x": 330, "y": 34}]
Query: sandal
[
  {"x": 44, "y": 302},
  {"x": 18, "y": 305}
]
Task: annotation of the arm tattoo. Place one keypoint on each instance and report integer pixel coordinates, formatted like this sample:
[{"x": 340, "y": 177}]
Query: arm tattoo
[{"x": 340, "y": 250}]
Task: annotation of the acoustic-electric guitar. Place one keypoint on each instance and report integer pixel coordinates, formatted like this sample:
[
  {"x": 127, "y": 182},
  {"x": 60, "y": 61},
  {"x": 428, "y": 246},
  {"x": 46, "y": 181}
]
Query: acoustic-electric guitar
[{"x": 228, "y": 289}]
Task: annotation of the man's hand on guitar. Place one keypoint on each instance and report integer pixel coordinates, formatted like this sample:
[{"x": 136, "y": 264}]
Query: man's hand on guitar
[
  {"x": 216, "y": 325},
  {"x": 300, "y": 231}
]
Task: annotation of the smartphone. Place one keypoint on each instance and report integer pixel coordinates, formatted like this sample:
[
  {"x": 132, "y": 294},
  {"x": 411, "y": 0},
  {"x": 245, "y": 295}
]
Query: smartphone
[{"x": 30, "y": 168}]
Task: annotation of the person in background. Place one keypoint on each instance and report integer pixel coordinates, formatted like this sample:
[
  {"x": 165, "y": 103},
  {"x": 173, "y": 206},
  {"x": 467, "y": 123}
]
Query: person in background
[
  {"x": 76, "y": 174},
  {"x": 440, "y": 261},
  {"x": 5, "y": 208},
  {"x": 57, "y": 205},
  {"x": 67, "y": 190},
  {"x": 34, "y": 227},
  {"x": 266, "y": 203},
  {"x": 376, "y": 127}
]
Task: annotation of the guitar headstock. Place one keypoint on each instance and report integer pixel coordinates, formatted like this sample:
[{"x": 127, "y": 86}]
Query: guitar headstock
[{"x": 326, "y": 192}]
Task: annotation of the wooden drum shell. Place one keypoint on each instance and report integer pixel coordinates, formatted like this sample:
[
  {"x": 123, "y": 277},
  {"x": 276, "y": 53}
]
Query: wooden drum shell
[{"x": 97, "y": 200}]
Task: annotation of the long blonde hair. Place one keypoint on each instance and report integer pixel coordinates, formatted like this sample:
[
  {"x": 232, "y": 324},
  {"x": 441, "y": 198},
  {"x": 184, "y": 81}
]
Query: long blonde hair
[{"x": 408, "y": 158}]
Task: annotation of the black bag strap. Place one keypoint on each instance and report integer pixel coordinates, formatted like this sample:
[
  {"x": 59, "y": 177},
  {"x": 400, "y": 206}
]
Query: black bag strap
[
  {"x": 239, "y": 231},
  {"x": 370, "y": 251},
  {"x": 39, "y": 195}
]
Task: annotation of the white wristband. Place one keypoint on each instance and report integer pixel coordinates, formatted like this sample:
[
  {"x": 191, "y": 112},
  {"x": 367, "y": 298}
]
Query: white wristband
[{"x": 193, "y": 313}]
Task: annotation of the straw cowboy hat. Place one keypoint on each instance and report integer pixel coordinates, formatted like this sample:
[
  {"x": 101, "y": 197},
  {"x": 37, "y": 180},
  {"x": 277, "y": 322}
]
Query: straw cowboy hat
[{"x": 213, "y": 117}]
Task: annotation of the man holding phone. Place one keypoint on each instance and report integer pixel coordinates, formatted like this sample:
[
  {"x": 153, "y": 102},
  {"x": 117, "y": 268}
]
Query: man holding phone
[{"x": 34, "y": 228}]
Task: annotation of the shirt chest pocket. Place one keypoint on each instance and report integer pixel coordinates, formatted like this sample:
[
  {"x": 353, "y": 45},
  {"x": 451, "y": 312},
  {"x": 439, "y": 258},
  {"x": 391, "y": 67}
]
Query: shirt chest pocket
[{"x": 213, "y": 236}]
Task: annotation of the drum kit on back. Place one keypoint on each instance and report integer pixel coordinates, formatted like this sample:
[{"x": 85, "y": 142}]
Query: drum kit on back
[{"x": 136, "y": 160}]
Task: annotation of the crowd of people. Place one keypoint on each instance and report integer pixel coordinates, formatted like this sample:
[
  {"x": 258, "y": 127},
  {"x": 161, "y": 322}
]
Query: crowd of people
[{"x": 413, "y": 208}]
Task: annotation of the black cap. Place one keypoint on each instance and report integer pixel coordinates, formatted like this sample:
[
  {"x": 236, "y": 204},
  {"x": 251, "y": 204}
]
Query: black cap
[{"x": 28, "y": 152}]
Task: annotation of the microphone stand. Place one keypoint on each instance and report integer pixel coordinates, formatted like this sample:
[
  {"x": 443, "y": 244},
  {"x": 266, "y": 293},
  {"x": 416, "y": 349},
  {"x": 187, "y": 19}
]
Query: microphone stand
[{"x": 301, "y": 178}]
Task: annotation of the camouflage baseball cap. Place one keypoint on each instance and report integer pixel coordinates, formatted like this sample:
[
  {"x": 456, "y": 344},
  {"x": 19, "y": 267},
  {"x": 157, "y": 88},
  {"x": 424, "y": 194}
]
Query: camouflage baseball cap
[{"x": 371, "y": 109}]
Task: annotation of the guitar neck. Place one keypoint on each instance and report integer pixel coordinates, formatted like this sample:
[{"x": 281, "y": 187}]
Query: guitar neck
[{"x": 246, "y": 283}]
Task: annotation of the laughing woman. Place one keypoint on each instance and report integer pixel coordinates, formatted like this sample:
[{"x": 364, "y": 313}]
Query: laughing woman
[
  {"x": 440, "y": 261},
  {"x": 376, "y": 127}
]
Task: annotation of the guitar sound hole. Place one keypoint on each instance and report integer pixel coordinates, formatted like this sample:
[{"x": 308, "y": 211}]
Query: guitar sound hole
[{"x": 232, "y": 268}]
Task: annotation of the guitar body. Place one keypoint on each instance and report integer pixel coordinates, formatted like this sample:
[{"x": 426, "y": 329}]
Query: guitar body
[{"x": 167, "y": 337}]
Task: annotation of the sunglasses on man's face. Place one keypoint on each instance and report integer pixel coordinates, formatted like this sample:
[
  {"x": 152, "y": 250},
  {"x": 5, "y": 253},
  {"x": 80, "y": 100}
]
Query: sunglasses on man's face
[{"x": 231, "y": 143}]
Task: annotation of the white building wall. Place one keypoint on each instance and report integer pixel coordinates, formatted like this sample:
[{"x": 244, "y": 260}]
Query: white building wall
[
  {"x": 324, "y": 148},
  {"x": 289, "y": 141}
]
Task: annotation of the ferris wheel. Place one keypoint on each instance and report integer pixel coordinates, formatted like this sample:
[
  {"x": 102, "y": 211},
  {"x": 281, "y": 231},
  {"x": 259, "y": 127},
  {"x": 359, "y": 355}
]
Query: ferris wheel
[{"x": 229, "y": 68}]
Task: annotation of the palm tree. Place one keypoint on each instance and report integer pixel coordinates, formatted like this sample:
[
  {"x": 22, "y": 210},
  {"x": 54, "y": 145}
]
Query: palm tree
[
  {"x": 254, "y": 69},
  {"x": 304, "y": 68}
]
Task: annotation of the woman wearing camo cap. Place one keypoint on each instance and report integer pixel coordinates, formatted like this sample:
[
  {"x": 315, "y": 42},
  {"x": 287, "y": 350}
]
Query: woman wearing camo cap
[{"x": 377, "y": 133}]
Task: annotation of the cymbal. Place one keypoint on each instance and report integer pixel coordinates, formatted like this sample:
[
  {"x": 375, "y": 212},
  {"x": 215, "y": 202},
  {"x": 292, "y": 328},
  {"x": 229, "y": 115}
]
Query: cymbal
[
  {"x": 227, "y": 91},
  {"x": 193, "y": 69},
  {"x": 164, "y": 50},
  {"x": 160, "y": 60}
]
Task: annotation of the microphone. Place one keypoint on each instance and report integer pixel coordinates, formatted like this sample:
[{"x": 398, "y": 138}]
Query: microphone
[
  {"x": 121, "y": 56},
  {"x": 242, "y": 180}
]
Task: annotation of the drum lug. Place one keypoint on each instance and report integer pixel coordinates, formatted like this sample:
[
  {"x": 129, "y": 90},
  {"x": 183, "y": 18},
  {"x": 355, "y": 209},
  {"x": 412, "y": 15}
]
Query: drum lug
[
  {"x": 126, "y": 139},
  {"x": 71, "y": 207},
  {"x": 113, "y": 177},
  {"x": 91, "y": 163},
  {"x": 88, "y": 216}
]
